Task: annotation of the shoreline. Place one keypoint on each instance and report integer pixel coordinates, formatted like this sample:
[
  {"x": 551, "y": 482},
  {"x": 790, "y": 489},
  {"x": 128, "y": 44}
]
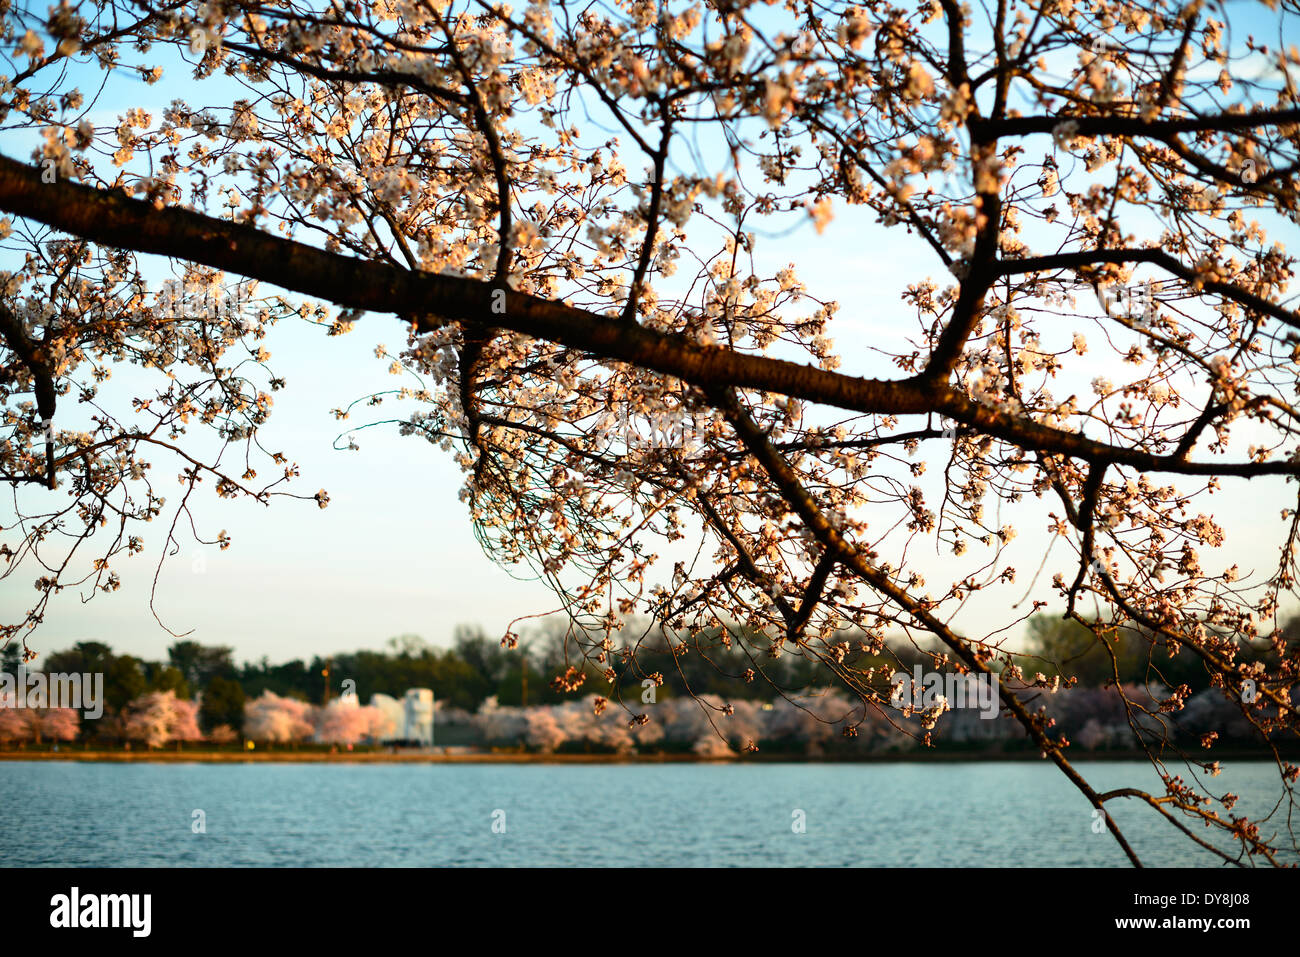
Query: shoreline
[{"x": 507, "y": 757}]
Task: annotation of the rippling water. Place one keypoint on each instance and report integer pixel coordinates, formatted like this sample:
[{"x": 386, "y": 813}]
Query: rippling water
[{"x": 952, "y": 814}]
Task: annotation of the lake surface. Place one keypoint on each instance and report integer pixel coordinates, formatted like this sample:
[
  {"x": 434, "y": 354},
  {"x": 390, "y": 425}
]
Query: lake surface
[{"x": 974, "y": 814}]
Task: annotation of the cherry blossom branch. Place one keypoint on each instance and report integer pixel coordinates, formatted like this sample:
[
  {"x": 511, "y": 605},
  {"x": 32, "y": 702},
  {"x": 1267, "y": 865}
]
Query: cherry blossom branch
[
  {"x": 987, "y": 129},
  {"x": 1155, "y": 256},
  {"x": 430, "y": 301},
  {"x": 826, "y": 532}
]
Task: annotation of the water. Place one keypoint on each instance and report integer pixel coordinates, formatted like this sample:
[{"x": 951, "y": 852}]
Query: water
[{"x": 267, "y": 815}]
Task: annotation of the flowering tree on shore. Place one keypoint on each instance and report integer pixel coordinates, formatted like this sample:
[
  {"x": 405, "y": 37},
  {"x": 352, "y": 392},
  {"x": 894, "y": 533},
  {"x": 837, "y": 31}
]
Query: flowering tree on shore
[
  {"x": 608, "y": 344},
  {"x": 60, "y": 724},
  {"x": 14, "y": 725},
  {"x": 160, "y": 717},
  {"x": 542, "y": 730},
  {"x": 36, "y": 724},
  {"x": 223, "y": 734},
  {"x": 344, "y": 721},
  {"x": 278, "y": 720},
  {"x": 378, "y": 725}
]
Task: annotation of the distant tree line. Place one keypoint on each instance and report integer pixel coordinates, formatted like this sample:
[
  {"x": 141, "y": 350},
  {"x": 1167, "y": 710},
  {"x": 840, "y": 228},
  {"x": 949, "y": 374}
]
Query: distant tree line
[{"x": 539, "y": 670}]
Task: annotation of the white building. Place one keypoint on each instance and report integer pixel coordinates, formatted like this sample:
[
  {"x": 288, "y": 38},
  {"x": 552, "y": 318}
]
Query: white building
[
  {"x": 412, "y": 716},
  {"x": 419, "y": 716}
]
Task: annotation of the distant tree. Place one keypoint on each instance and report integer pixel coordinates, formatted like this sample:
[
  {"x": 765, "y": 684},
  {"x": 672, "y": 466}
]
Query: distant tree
[
  {"x": 112, "y": 727},
  {"x": 378, "y": 725},
  {"x": 343, "y": 721},
  {"x": 290, "y": 678},
  {"x": 500, "y": 725},
  {"x": 483, "y": 655},
  {"x": 201, "y": 663},
  {"x": 278, "y": 720},
  {"x": 14, "y": 725},
  {"x": 542, "y": 731},
  {"x": 223, "y": 734},
  {"x": 83, "y": 657},
  {"x": 124, "y": 681},
  {"x": 457, "y": 684},
  {"x": 648, "y": 735},
  {"x": 37, "y": 724},
  {"x": 60, "y": 724},
  {"x": 222, "y": 703},
  {"x": 165, "y": 677},
  {"x": 186, "y": 725},
  {"x": 807, "y": 723},
  {"x": 124, "y": 678},
  {"x": 711, "y": 746},
  {"x": 613, "y": 734},
  {"x": 1069, "y": 648},
  {"x": 159, "y": 717}
]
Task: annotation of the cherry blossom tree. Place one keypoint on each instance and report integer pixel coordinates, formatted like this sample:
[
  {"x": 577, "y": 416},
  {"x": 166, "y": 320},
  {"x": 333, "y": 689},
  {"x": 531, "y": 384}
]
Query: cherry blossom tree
[
  {"x": 574, "y": 212},
  {"x": 60, "y": 724},
  {"x": 159, "y": 717},
  {"x": 14, "y": 725},
  {"x": 36, "y": 724},
  {"x": 711, "y": 746},
  {"x": 340, "y": 723},
  {"x": 378, "y": 725},
  {"x": 222, "y": 734},
  {"x": 344, "y": 721},
  {"x": 185, "y": 727},
  {"x": 278, "y": 720},
  {"x": 500, "y": 725},
  {"x": 542, "y": 730}
]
